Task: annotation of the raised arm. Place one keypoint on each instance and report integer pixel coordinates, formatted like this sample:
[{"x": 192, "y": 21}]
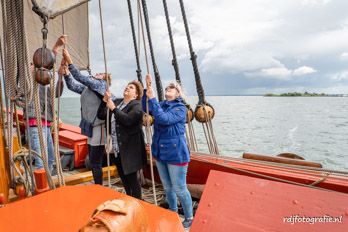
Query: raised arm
[
  {"x": 175, "y": 115},
  {"x": 73, "y": 85},
  {"x": 96, "y": 85}
]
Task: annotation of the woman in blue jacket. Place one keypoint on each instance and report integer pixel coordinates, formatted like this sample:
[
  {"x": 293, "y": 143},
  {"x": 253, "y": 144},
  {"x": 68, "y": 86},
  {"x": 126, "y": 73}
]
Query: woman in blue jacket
[{"x": 169, "y": 147}]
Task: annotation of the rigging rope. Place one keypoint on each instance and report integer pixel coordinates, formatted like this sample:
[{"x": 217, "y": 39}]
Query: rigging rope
[
  {"x": 33, "y": 186},
  {"x": 141, "y": 25},
  {"x": 155, "y": 69},
  {"x": 107, "y": 89},
  {"x": 37, "y": 107},
  {"x": 204, "y": 111},
  {"x": 174, "y": 60},
  {"x": 134, "y": 42},
  {"x": 189, "y": 128},
  {"x": 16, "y": 66},
  {"x": 147, "y": 125},
  {"x": 56, "y": 130},
  {"x": 16, "y": 61},
  {"x": 2, "y": 120},
  {"x": 59, "y": 83},
  {"x": 199, "y": 86}
]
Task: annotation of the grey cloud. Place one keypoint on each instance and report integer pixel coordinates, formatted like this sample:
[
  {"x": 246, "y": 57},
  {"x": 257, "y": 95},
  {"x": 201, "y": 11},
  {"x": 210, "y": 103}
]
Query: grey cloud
[{"x": 236, "y": 43}]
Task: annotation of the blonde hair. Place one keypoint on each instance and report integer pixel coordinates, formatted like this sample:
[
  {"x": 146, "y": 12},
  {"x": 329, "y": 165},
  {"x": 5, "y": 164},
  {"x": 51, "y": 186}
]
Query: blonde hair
[{"x": 178, "y": 88}]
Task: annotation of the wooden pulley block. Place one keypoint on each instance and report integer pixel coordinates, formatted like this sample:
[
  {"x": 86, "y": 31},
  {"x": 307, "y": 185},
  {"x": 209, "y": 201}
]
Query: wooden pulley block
[
  {"x": 44, "y": 57},
  {"x": 147, "y": 119},
  {"x": 189, "y": 114},
  {"x": 43, "y": 76},
  {"x": 204, "y": 113}
]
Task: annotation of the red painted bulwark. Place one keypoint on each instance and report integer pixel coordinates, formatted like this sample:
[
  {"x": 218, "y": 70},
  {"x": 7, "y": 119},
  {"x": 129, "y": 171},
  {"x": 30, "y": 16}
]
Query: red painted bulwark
[
  {"x": 69, "y": 208},
  {"x": 233, "y": 202},
  {"x": 77, "y": 142},
  {"x": 201, "y": 165},
  {"x": 63, "y": 126}
]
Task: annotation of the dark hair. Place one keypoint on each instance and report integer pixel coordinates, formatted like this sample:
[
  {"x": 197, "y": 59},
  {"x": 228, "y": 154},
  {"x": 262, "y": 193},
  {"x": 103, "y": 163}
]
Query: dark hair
[{"x": 139, "y": 88}]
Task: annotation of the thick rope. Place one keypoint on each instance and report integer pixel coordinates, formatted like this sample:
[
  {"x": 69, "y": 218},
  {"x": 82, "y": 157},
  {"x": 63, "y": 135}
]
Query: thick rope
[
  {"x": 3, "y": 65},
  {"x": 209, "y": 133},
  {"x": 199, "y": 86},
  {"x": 130, "y": 12},
  {"x": 19, "y": 178},
  {"x": 192, "y": 136},
  {"x": 107, "y": 89},
  {"x": 16, "y": 65},
  {"x": 155, "y": 69},
  {"x": 141, "y": 25},
  {"x": 148, "y": 126},
  {"x": 190, "y": 132},
  {"x": 28, "y": 141},
  {"x": 59, "y": 83},
  {"x": 56, "y": 131},
  {"x": 174, "y": 60},
  {"x": 2, "y": 120},
  {"x": 16, "y": 54},
  {"x": 43, "y": 145}
]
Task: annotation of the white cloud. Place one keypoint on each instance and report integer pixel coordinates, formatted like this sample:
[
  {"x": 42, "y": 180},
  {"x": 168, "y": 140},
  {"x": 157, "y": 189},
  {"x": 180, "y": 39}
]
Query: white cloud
[
  {"x": 344, "y": 56},
  {"x": 303, "y": 71},
  {"x": 340, "y": 76},
  {"x": 276, "y": 72},
  {"x": 281, "y": 72},
  {"x": 315, "y": 2}
]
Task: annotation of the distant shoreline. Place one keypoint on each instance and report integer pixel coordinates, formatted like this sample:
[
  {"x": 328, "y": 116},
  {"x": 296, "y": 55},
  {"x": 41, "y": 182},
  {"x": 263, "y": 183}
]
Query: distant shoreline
[{"x": 305, "y": 94}]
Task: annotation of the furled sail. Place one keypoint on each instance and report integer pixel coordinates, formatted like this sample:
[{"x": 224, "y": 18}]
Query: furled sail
[
  {"x": 53, "y": 8},
  {"x": 73, "y": 23}
]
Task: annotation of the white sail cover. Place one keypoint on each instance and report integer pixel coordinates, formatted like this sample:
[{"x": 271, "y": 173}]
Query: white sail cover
[
  {"x": 76, "y": 26},
  {"x": 53, "y": 8}
]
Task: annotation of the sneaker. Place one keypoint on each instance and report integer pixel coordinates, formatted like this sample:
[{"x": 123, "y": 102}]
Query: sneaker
[{"x": 187, "y": 223}]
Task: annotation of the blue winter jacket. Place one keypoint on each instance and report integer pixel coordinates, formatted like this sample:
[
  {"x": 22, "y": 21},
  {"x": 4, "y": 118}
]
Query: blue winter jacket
[{"x": 169, "y": 142}]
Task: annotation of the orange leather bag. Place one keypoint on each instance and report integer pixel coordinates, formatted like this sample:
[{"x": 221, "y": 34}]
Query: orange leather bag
[{"x": 122, "y": 215}]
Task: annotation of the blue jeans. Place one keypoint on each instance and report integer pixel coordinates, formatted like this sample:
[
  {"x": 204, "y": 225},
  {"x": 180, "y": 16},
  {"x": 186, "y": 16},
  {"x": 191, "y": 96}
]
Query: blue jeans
[
  {"x": 173, "y": 178},
  {"x": 35, "y": 146}
]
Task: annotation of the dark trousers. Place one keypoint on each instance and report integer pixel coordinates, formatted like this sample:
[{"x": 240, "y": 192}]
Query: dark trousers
[
  {"x": 96, "y": 154},
  {"x": 130, "y": 181}
]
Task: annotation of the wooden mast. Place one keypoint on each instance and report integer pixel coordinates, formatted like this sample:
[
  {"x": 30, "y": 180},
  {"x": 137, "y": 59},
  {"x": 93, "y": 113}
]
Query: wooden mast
[{"x": 4, "y": 167}]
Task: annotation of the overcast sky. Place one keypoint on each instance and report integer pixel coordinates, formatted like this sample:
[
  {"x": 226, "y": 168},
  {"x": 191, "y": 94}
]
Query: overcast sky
[{"x": 243, "y": 46}]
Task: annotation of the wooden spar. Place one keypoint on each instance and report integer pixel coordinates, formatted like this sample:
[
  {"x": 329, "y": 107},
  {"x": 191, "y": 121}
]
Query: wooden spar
[
  {"x": 281, "y": 160},
  {"x": 84, "y": 177},
  {"x": 4, "y": 169}
]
